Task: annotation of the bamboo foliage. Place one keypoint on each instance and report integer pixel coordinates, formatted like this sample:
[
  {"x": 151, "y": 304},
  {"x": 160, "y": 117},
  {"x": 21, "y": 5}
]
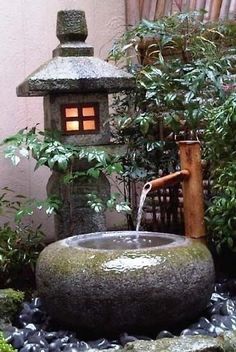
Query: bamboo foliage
[{"x": 153, "y": 9}]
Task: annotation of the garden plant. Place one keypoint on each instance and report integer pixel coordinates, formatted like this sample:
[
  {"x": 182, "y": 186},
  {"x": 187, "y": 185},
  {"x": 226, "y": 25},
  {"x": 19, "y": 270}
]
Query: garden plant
[{"x": 220, "y": 141}]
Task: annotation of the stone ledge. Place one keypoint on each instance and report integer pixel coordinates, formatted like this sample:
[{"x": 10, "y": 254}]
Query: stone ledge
[{"x": 224, "y": 343}]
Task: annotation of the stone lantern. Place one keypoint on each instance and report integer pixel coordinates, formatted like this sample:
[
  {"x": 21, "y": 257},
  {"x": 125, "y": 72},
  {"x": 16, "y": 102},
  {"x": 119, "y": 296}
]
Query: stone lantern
[{"x": 75, "y": 86}]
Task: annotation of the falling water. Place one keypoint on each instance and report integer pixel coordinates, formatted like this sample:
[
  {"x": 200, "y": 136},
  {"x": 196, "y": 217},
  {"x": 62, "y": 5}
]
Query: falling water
[{"x": 140, "y": 209}]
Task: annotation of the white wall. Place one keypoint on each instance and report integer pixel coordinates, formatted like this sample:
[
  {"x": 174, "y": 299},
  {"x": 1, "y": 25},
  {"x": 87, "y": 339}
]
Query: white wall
[{"x": 27, "y": 37}]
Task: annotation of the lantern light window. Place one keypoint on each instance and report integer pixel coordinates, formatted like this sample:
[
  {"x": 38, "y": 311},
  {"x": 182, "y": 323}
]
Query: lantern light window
[
  {"x": 71, "y": 112},
  {"x": 72, "y": 125},
  {"x": 88, "y": 111},
  {"x": 80, "y": 118}
]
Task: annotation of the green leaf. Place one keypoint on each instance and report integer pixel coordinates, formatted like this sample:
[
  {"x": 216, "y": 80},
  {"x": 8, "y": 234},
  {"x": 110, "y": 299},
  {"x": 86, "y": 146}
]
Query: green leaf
[
  {"x": 93, "y": 172},
  {"x": 123, "y": 207},
  {"x": 116, "y": 167}
]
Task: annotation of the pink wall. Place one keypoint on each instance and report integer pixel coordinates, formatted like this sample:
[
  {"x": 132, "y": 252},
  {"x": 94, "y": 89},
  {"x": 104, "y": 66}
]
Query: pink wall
[{"x": 27, "y": 37}]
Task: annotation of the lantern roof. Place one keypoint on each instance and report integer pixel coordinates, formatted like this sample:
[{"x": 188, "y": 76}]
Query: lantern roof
[{"x": 73, "y": 69}]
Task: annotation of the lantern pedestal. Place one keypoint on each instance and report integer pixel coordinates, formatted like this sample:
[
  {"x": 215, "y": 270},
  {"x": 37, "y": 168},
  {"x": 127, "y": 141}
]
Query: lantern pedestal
[{"x": 75, "y": 216}]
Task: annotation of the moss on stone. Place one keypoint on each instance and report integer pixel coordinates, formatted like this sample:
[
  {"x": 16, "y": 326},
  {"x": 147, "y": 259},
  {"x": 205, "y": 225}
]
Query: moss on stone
[{"x": 10, "y": 302}]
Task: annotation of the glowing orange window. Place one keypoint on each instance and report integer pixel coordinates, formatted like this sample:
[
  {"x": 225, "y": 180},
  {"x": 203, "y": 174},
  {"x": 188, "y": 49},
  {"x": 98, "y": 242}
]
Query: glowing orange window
[{"x": 81, "y": 118}]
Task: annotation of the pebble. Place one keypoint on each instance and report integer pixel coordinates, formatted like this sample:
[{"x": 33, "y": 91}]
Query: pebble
[
  {"x": 228, "y": 307},
  {"x": 164, "y": 333},
  {"x": 219, "y": 297},
  {"x": 125, "y": 338},
  {"x": 18, "y": 339}
]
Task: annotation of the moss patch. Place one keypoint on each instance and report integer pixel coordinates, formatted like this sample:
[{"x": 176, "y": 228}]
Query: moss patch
[
  {"x": 10, "y": 302},
  {"x": 4, "y": 346}
]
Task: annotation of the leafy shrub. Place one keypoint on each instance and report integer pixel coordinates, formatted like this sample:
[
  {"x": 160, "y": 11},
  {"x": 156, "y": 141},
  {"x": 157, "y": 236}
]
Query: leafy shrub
[
  {"x": 182, "y": 68},
  {"x": 20, "y": 241},
  {"x": 47, "y": 149},
  {"x": 221, "y": 151}
]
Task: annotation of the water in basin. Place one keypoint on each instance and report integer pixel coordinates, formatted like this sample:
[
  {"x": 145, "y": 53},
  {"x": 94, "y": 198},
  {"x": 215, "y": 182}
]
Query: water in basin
[{"x": 121, "y": 240}]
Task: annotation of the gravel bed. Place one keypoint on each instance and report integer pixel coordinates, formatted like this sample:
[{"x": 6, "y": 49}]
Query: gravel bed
[{"x": 33, "y": 331}]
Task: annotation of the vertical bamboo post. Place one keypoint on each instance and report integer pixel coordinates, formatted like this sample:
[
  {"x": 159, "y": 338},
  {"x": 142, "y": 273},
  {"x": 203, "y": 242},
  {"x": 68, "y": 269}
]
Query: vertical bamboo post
[
  {"x": 190, "y": 159},
  {"x": 160, "y": 9},
  {"x": 215, "y": 10}
]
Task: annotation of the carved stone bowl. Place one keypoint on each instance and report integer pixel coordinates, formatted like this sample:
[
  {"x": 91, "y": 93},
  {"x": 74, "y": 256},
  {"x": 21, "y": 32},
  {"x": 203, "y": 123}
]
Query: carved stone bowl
[{"x": 112, "y": 282}]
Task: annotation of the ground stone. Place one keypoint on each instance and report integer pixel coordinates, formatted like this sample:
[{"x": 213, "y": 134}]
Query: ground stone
[
  {"x": 224, "y": 343},
  {"x": 178, "y": 344},
  {"x": 229, "y": 341}
]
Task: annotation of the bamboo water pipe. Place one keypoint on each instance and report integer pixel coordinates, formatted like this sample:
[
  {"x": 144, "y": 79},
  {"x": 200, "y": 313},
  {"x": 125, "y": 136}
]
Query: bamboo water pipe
[
  {"x": 191, "y": 175},
  {"x": 167, "y": 180}
]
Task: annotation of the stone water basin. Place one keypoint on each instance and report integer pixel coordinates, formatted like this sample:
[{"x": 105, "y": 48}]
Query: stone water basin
[{"x": 107, "y": 283}]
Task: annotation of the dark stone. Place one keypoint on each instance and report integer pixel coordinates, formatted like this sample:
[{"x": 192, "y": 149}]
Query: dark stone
[
  {"x": 71, "y": 349},
  {"x": 231, "y": 285},
  {"x": 51, "y": 336},
  {"x": 83, "y": 346},
  {"x": 219, "y": 297},
  {"x": 35, "y": 303},
  {"x": 84, "y": 288},
  {"x": 163, "y": 334},
  {"x": 28, "y": 332},
  {"x": 26, "y": 308},
  {"x": 55, "y": 345},
  {"x": 221, "y": 321},
  {"x": 125, "y": 338},
  {"x": 26, "y": 348},
  {"x": 228, "y": 307},
  {"x": 204, "y": 325},
  {"x": 201, "y": 332},
  {"x": 220, "y": 287},
  {"x": 24, "y": 319},
  {"x": 17, "y": 340},
  {"x": 38, "y": 340},
  {"x": 37, "y": 316},
  {"x": 186, "y": 332},
  {"x": 215, "y": 308},
  {"x": 31, "y": 348}
]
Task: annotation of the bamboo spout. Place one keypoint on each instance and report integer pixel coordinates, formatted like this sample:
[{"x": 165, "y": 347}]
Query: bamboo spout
[
  {"x": 167, "y": 180},
  {"x": 191, "y": 175}
]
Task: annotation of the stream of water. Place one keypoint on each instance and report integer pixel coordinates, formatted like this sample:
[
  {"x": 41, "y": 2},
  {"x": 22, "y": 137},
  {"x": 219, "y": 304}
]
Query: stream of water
[{"x": 140, "y": 209}]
